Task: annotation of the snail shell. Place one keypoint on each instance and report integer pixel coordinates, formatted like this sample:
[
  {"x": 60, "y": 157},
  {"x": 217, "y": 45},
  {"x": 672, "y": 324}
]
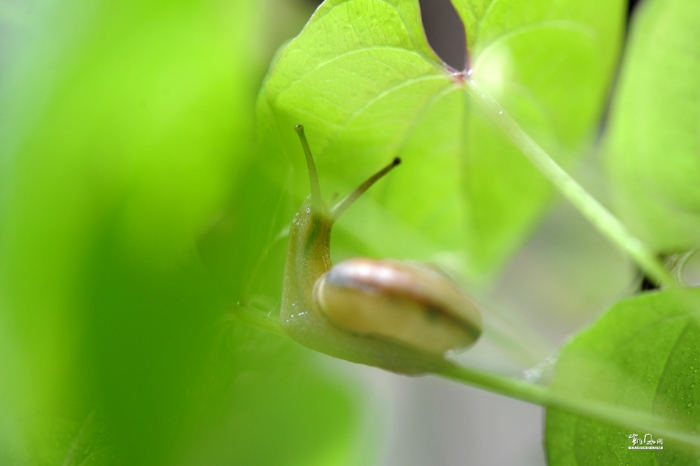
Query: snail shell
[
  {"x": 411, "y": 303},
  {"x": 399, "y": 315}
]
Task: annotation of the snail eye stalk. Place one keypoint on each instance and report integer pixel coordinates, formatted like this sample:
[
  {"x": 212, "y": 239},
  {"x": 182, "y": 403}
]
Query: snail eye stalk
[{"x": 338, "y": 209}]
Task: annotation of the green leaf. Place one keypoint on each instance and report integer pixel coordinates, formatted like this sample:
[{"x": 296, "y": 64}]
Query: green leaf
[
  {"x": 367, "y": 87},
  {"x": 643, "y": 354},
  {"x": 124, "y": 135},
  {"x": 117, "y": 140},
  {"x": 653, "y": 142}
]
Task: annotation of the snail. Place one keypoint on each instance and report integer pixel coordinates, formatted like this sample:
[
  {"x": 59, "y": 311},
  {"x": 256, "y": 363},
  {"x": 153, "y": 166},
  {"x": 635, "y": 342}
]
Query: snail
[{"x": 398, "y": 315}]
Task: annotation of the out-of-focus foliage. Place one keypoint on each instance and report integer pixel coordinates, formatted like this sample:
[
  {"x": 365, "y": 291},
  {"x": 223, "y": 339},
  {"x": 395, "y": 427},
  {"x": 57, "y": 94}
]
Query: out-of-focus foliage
[
  {"x": 642, "y": 355},
  {"x": 363, "y": 80},
  {"x": 126, "y": 133},
  {"x": 653, "y": 141}
]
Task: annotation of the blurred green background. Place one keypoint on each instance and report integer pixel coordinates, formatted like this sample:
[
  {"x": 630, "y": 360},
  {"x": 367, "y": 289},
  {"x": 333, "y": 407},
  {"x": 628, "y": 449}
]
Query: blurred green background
[{"x": 126, "y": 137}]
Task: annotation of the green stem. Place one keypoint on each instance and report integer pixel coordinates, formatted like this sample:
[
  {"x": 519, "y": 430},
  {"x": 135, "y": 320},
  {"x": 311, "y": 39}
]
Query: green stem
[
  {"x": 543, "y": 396},
  {"x": 519, "y": 390},
  {"x": 609, "y": 225}
]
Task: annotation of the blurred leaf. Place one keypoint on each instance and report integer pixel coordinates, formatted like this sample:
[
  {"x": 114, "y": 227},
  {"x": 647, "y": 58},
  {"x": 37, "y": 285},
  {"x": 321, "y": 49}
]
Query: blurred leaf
[
  {"x": 363, "y": 80},
  {"x": 643, "y": 355},
  {"x": 69, "y": 443},
  {"x": 653, "y": 142},
  {"x": 277, "y": 407},
  {"x": 121, "y": 142},
  {"x": 125, "y": 131}
]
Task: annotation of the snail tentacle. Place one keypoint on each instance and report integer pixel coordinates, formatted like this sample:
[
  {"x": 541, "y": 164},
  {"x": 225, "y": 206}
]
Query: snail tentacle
[{"x": 338, "y": 209}]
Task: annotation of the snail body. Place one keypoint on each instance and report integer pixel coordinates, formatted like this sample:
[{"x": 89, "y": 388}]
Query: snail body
[{"x": 398, "y": 315}]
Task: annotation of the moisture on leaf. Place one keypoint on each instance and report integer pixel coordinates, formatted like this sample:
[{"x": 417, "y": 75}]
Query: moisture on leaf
[{"x": 642, "y": 355}]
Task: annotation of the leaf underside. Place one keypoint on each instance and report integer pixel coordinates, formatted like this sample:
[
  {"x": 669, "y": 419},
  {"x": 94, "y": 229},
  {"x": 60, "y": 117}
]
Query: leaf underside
[{"x": 366, "y": 85}]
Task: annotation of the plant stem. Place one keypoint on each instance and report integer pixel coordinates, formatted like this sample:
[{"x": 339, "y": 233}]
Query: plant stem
[
  {"x": 609, "y": 225},
  {"x": 543, "y": 396},
  {"x": 524, "y": 391}
]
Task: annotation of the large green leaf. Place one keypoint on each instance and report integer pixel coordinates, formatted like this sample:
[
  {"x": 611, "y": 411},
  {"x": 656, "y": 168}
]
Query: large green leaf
[
  {"x": 653, "y": 143},
  {"x": 124, "y": 132},
  {"x": 643, "y": 354},
  {"x": 363, "y": 80}
]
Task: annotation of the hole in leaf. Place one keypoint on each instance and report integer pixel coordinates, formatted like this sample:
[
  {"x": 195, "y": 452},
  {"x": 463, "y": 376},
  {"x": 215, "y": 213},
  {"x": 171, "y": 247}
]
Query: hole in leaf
[
  {"x": 445, "y": 31},
  {"x": 631, "y": 6}
]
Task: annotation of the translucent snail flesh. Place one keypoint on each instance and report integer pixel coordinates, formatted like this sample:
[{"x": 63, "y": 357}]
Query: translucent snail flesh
[{"x": 399, "y": 315}]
